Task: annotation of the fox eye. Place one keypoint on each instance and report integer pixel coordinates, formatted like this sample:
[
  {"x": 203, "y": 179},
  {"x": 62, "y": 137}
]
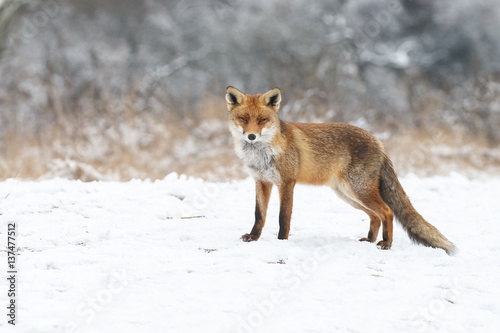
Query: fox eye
[
  {"x": 244, "y": 119},
  {"x": 262, "y": 120}
]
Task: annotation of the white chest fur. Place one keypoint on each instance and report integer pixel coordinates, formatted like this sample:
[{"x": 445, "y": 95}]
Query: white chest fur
[{"x": 259, "y": 158}]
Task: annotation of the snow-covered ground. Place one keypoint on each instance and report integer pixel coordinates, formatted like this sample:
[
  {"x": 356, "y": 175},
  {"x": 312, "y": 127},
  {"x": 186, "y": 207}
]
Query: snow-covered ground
[{"x": 118, "y": 257}]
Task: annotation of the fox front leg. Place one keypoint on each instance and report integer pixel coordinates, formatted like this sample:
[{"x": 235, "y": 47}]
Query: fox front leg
[
  {"x": 286, "y": 204},
  {"x": 262, "y": 195}
]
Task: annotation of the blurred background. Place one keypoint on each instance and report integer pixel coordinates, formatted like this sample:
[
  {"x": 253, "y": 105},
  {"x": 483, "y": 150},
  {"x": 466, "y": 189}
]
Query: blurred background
[{"x": 121, "y": 89}]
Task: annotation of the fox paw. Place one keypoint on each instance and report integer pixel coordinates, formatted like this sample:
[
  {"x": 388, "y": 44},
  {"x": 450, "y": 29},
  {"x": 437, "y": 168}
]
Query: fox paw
[
  {"x": 249, "y": 237},
  {"x": 365, "y": 239},
  {"x": 384, "y": 245}
]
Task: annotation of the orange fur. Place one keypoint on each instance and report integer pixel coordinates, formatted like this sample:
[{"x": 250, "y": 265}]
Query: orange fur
[{"x": 347, "y": 158}]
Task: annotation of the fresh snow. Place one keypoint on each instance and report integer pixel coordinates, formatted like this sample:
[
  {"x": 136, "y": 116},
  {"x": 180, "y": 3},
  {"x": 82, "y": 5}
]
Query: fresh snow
[{"x": 165, "y": 256}]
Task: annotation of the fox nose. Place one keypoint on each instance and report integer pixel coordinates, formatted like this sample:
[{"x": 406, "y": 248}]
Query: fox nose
[{"x": 251, "y": 137}]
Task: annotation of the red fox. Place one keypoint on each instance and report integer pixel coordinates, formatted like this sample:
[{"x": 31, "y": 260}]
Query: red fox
[{"x": 349, "y": 159}]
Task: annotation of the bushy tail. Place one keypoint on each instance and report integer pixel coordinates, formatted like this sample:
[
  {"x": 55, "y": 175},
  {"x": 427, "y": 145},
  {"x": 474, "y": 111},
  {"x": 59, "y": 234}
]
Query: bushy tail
[{"x": 418, "y": 229}]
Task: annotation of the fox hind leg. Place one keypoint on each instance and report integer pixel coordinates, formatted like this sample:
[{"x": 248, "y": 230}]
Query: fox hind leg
[
  {"x": 375, "y": 223},
  {"x": 368, "y": 199},
  {"x": 374, "y": 203}
]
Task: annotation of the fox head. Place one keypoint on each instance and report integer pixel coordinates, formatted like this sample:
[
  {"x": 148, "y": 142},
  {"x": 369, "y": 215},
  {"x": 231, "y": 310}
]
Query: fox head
[{"x": 253, "y": 118}]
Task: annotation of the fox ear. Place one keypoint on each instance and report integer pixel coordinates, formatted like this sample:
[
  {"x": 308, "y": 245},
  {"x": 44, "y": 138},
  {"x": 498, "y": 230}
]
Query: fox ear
[
  {"x": 272, "y": 98},
  {"x": 233, "y": 97}
]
